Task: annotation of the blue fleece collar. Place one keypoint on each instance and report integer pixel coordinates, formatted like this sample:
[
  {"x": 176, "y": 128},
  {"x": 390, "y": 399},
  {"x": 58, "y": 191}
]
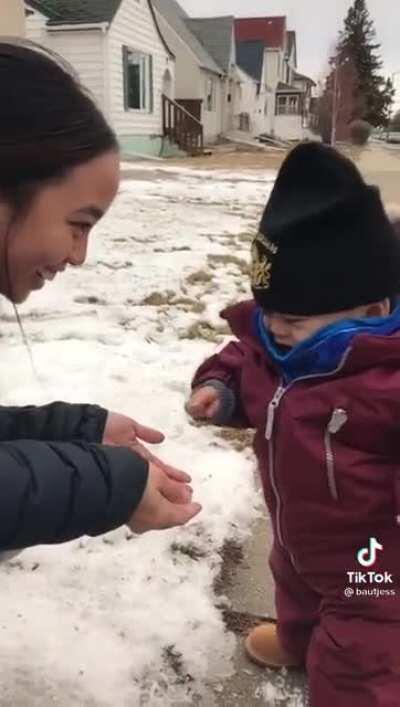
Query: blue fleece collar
[{"x": 322, "y": 352}]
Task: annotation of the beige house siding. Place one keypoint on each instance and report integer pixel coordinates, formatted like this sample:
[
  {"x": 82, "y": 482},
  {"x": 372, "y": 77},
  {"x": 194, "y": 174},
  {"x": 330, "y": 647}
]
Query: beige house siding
[
  {"x": 12, "y": 18},
  {"x": 191, "y": 82},
  {"x": 188, "y": 83}
]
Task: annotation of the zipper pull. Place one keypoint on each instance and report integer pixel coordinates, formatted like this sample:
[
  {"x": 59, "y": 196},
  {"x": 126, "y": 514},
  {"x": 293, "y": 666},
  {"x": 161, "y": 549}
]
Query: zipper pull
[
  {"x": 338, "y": 419},
  {"x": 271, "y": 411}
]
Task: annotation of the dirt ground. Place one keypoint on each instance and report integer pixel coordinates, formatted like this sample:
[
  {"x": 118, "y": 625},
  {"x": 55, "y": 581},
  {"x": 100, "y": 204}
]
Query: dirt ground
[
  {"x": 233, "y": 159},
  {"x": 378, "y": 164}
]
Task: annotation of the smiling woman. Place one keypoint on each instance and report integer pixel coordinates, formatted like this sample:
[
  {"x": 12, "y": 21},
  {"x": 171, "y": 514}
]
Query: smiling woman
[{"x": 59, "y": 173}]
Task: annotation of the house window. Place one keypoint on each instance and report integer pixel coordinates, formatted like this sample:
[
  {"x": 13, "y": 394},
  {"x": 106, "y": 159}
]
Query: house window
[
  {"x": 210, "y": 94},
  {"x": 287, "y": 105},
  {"x": 293, "y": 105},
  {"x": 138, "y": 80}
]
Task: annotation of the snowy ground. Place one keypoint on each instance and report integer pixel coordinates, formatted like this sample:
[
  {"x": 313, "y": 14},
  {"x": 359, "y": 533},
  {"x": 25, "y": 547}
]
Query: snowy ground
[{"x": 119, "y": 620}]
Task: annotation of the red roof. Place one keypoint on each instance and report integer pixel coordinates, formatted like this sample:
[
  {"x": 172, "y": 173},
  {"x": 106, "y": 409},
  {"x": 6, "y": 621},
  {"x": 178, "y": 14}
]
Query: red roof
[{"x": 270, "y": 30}]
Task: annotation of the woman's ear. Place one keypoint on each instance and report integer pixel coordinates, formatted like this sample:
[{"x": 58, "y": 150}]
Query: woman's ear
[{"x": 379, "y": 309}]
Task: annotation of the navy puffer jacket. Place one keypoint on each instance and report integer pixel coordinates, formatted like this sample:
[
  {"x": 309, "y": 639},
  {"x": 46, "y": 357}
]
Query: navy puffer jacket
[{"x": 56, "y": 481}]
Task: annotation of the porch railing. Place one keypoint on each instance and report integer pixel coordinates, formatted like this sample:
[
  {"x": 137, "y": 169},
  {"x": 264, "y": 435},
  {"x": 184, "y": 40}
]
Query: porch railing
[{"x": 182, "y": 127}]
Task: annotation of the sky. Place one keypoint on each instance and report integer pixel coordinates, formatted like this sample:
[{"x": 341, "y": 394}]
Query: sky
[{"x": 317, "y": 23}]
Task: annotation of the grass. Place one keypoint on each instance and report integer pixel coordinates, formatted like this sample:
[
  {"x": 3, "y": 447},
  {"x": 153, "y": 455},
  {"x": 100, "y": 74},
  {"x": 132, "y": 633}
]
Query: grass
[
  {"x": 159, "y": 299},
  {"x": 228, "y": 259},
  {"x": 239, "y": 439},
  {"x": 204, "y": 330},
  {"x": 199, "y": 277},
  {"x": 170, "y": 299}
]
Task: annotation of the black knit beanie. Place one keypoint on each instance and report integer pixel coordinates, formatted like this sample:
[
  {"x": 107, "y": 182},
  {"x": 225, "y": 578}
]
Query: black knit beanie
[{"x": 325, "y": 243}]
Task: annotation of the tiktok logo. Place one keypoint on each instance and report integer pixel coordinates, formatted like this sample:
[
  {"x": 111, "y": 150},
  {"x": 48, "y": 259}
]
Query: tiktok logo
[{"x": 367, "y": 555}]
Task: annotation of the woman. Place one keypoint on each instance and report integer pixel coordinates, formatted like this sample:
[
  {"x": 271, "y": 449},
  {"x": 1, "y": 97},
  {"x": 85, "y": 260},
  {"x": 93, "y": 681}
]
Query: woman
[{"x": 59, "y": 173}]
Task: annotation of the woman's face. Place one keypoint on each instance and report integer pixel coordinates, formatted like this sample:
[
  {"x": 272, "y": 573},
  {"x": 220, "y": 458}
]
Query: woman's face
[{"x": 55, "y": 229}]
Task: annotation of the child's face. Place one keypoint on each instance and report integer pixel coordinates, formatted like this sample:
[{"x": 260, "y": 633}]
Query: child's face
[{"x": 289, "y": 330}]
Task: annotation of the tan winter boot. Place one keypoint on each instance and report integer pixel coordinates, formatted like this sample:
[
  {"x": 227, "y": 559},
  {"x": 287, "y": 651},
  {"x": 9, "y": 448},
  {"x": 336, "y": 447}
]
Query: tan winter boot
[{"x": 263, "y": 648}]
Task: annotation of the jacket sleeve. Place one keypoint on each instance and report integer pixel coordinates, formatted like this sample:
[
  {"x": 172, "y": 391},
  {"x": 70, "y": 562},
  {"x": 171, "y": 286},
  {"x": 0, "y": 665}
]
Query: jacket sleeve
[
  {"x": 51, "y": 493},
  {"x": 55, "y": 422},
  {"x": 226, "y": 367}
]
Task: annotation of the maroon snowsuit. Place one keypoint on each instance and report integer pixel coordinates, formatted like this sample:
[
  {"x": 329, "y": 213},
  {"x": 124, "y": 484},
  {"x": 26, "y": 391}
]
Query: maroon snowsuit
[{"x": 328, "y": 492}]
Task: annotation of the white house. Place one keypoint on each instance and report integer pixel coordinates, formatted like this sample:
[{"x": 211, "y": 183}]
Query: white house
[
  {"x": 289, "y": 97},
  {"x": 118, "y": 51},
  {"x": 251, "y": 60}
]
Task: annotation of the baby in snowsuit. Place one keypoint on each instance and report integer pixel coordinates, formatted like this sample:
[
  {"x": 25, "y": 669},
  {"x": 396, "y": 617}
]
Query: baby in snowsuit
[{"x": 315, "y": 370}]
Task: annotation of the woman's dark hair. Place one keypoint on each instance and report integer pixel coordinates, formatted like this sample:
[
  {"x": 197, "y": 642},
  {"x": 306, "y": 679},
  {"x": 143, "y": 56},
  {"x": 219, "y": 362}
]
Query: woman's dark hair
[
  {"x": 48, "y": 124},
  {"x": 48, "y": 121}
]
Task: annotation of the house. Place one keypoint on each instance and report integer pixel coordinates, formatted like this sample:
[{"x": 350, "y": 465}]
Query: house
[
  {"x": 199, "y": 79},
  {"x": 120, "y": 54},
  {"x": 287, "y": 112},
  {"x": 306, "y": 86},
  {"x": 12, "y": 18},
  {"x": 209, "y": 84},
  {"x": 251, "y": 59},
  {"x": 216, "y": 35}
]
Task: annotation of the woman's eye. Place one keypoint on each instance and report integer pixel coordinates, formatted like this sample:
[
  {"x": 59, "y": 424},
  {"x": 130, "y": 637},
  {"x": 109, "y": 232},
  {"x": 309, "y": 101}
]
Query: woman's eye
[{"x": 84, "y": 227}]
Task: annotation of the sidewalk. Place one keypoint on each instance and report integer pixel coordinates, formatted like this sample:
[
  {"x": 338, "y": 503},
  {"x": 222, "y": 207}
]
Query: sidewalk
[{"x": 381, "y": 166}]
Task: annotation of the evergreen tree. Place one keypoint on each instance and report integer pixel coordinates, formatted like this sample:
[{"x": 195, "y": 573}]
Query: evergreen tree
[{"x": 373, "y": 94}]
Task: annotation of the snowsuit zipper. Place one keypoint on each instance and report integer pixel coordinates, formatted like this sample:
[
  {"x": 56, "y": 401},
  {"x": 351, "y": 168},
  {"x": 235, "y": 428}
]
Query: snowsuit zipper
[
  {"x": 338, "y": 419},
  {"x": 272, "y": 407},
  {"x": 269, "y": 432}
]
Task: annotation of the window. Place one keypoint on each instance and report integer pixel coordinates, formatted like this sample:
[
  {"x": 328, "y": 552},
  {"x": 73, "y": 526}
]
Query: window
[
  {"x": 210, "y": 94},
  {"x": 293, "y": 105},
  {"x": 288, "y": 105},
  {"x": 138, "y": 80}
]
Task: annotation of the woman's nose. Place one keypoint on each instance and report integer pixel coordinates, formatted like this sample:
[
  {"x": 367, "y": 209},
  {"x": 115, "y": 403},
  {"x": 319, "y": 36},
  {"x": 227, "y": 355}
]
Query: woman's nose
[{"x": 79, "y": 251}]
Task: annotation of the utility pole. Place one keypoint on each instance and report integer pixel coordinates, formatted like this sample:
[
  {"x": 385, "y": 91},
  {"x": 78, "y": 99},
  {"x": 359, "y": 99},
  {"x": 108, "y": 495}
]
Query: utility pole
[{"x": 336, "y": 97}]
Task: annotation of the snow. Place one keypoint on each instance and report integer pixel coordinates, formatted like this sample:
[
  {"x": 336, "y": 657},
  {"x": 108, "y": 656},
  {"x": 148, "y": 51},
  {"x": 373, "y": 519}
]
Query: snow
[
  {"x": 103, "y": 621},
  {"x": 279, "y": 692}
]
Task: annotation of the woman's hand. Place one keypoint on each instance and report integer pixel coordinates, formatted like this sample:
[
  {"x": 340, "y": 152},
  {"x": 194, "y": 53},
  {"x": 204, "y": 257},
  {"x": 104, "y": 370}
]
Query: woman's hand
[
  {"x": 166, "y": 503},
  {"x": 123, "y": 431}
]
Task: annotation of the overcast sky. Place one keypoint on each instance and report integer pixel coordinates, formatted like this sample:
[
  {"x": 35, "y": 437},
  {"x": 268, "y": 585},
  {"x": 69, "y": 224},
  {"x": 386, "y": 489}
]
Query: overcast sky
[{"x": 317, "y": 23}]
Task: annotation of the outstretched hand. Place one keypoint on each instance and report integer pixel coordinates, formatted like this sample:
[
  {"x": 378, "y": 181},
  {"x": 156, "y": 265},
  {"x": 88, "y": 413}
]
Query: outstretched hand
[
  {"x": 165, "y": 504},
  {"x": 123, "y": 431}
]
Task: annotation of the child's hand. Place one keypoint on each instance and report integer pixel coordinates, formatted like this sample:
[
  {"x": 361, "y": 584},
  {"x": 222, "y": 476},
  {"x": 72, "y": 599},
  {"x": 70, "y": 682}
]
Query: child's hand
[{"x": 203, "y": 403}]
